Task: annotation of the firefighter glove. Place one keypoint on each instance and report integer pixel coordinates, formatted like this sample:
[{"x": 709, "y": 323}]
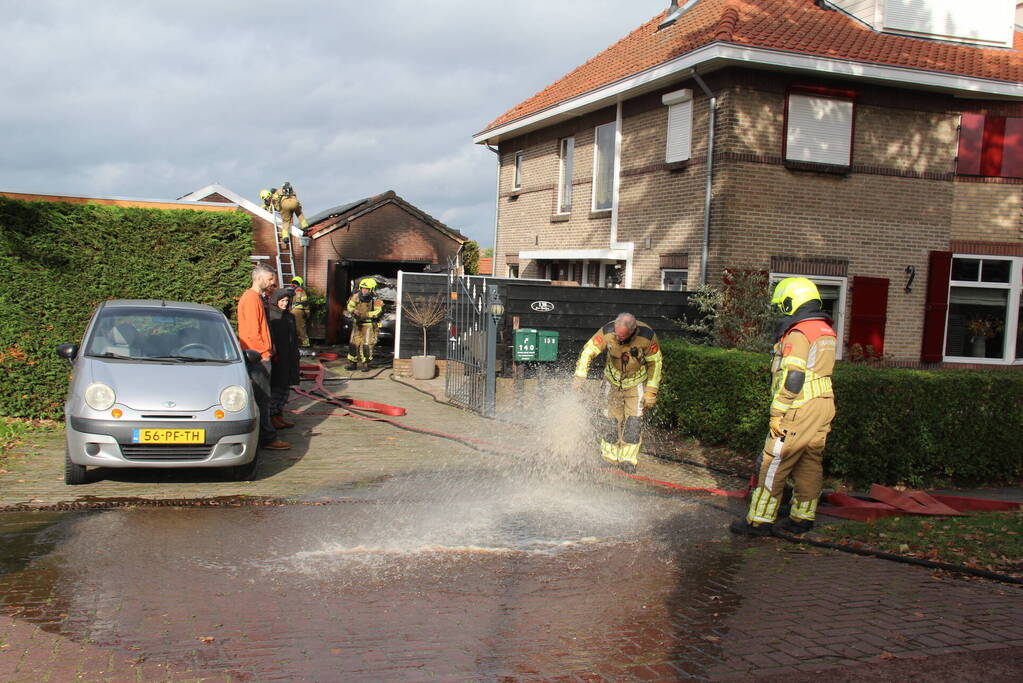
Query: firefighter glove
[
  {"x": 649, "y": 399},
  {"x": 776, "y": 429}
]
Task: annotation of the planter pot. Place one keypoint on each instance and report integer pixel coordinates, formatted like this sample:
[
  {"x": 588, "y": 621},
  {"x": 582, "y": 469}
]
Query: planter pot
[
  {"x": 979, "y": 347},
  {"x": 424, "y": 367}
]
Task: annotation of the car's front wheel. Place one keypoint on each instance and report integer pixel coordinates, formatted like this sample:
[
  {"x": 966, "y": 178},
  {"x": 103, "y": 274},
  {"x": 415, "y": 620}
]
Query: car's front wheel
[{"x": 74, "y": 474}]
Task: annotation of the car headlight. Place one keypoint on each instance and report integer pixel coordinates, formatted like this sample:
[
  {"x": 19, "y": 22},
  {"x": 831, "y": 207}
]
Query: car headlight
[
  {"x": 99, "y": 396},
  {"x": 234, "y": 398}
]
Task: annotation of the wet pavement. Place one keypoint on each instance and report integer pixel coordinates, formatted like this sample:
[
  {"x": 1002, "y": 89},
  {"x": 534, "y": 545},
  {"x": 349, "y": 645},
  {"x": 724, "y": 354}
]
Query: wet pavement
[{"x": 416, "y": 558}]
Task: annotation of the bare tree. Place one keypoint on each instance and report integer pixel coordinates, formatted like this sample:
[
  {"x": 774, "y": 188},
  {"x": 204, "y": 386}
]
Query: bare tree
[{"x": 425, "y": 313}]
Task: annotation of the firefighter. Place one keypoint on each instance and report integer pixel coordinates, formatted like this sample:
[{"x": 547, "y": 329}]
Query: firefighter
[
  {"x": 300, "y": 309},
  {"x": 285, "y": 202},
  {"x": 365, "y": 309},
  {"x": 802, "y": 408},
  {"x": 632, "y": 376}
]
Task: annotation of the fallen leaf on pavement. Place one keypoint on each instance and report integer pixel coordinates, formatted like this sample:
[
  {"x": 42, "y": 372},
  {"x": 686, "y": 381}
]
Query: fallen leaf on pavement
[
  {"x": 205, "y": 639},
  {"x": 886, "y": 655}
]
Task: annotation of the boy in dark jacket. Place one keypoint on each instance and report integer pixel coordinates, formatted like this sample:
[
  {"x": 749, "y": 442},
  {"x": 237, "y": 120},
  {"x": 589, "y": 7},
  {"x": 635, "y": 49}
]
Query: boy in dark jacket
[{"x": 284, "y": 372}]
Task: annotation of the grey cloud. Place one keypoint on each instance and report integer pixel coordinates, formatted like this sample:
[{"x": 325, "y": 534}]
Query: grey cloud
[{"x": 344, "y": 99}]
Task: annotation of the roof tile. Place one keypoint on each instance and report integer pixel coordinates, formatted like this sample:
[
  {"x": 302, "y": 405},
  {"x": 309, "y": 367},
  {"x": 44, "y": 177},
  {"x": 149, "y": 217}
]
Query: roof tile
[{"x": 787, "y": 25}]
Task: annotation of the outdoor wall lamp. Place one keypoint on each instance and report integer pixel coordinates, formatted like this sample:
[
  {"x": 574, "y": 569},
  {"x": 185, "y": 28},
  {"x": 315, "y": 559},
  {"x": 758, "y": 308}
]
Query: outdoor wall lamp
[{"x": 496, "y": 306}]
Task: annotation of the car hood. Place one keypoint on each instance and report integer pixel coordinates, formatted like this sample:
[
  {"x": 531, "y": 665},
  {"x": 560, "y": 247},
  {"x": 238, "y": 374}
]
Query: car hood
[{"x": 150, "y": 386}]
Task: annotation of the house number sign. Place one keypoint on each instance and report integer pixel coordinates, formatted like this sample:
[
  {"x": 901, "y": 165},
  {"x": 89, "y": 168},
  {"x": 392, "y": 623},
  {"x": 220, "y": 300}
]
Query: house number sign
[{"x": 542, "y": 306}]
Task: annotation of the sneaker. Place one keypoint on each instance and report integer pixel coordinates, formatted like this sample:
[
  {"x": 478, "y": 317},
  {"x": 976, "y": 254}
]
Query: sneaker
[
  {"x": 277, "y": 445},
  {"x": 744, "y": 528},
  {"x": 627, "y": 467},
  {"x": 794, "y": 526}
]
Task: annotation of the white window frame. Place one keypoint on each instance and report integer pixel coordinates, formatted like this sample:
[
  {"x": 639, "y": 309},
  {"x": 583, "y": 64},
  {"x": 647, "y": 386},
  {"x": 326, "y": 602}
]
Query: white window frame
[
  {"x": 517, "y": 170},
  {"x": 1012, "y": 322},
  {"x": 566, "y": 163},
  {"x": 512, "y": 270},
  {"x": 809, "y": 138},
  {"x": 685, "y": 276},
  {"x": 840, "y": 305},
  {"x": 679, "y": 136},
  {"x": 596, "y": 165}
]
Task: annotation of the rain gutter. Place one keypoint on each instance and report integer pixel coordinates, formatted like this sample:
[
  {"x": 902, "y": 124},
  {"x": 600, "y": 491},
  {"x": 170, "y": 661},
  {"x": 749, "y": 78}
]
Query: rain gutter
[{"x": 713, "y": 102}]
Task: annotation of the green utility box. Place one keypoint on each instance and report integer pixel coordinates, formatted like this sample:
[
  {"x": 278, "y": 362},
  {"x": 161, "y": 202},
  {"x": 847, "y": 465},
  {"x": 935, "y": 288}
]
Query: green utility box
[{"x": 536, "y": 345}]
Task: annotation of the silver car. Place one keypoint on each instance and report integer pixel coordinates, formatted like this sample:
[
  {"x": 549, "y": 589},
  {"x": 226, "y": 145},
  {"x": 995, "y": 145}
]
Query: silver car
[{"x": 159, "y": 384}]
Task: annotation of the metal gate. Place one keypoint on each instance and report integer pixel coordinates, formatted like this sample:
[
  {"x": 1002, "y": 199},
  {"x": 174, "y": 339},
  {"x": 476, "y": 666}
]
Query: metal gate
[{"x": 469, "y": 379}]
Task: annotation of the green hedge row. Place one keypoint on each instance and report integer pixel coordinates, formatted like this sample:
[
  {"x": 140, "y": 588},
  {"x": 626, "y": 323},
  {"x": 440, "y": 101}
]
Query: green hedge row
[
  {"x": 893, "y": 425},
  {"x": 60, "y": 260}
]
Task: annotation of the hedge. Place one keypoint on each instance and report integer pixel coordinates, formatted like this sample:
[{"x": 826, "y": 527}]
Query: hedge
[
  {"x": 893, "y": 425},
  {"x": 60, "y": 260}
]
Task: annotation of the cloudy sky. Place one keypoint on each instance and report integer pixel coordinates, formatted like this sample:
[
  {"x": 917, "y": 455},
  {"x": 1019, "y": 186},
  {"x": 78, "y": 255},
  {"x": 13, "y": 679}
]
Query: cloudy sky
[{"x": 346, "y": 99}]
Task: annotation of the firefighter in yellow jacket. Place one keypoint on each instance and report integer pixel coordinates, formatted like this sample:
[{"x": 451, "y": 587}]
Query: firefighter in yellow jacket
[
  {"x": 365, "y": 309},
  {"x": 632, "y": 376},
  {"x": 285, "y": 202},
  {"x": 300, "y": 309},
  {"x": 802, "y": 408}
]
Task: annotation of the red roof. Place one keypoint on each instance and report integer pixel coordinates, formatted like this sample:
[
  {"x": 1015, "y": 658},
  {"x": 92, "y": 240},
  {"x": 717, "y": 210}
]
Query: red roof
[
  {"x": 486, "y": 265},
  {"x": 798, "y": 26}
]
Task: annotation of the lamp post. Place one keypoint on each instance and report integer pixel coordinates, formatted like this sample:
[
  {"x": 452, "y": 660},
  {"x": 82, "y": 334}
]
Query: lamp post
[{"x": 495, "y": 308}]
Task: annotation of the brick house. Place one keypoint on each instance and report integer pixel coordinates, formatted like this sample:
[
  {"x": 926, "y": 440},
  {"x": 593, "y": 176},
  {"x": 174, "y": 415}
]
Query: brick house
[
  {"x": 377, "y": 235},
  {"x": 875, "y": 146}
]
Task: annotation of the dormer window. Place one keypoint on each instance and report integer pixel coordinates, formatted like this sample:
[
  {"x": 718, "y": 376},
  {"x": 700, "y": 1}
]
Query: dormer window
[{"x": 982, "y": 22}]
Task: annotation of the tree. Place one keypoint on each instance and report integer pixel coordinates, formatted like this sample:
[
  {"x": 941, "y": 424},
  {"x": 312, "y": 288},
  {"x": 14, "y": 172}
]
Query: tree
[
  {"x": 471, "y": 257},
  {"x": 488, "y": 252},
  {"x": 736, "y": 315},
  {"x": 425, "y": 313}
]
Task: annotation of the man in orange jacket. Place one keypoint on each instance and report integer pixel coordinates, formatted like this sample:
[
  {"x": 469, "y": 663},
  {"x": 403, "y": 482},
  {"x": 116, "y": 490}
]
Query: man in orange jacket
[{"x": 254, "y": 333}]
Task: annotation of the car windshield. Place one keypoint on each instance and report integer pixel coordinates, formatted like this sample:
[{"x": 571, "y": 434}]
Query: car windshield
[{"x": 162, "y": 334}]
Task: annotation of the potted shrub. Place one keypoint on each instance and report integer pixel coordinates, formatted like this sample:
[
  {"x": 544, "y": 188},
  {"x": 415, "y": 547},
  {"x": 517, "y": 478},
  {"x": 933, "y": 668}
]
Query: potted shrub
[
  {"x": 425, "y": 313},
  {"x": 980, "y": 330}
]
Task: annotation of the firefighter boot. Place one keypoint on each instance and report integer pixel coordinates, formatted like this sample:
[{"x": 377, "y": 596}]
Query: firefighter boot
[
  {"x": 794, "y": 526},
  {"x": 353, "y": 357},
  {"x": 364, "y": 356},
  {"x": 744, "y": 528}
]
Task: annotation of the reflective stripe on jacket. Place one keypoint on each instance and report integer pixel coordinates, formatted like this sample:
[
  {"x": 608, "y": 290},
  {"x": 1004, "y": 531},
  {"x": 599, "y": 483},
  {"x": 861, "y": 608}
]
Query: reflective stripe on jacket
[{"x": 812, "y": 352}]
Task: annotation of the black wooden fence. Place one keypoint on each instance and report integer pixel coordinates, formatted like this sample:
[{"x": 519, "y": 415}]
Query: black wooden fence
[{"x": 574, "y": 312}]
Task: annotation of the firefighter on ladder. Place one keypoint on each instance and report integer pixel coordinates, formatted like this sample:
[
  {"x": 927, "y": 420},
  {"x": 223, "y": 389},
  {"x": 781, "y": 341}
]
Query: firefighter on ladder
[
  {"x": 364, "y": 308},
  {"x": 300, "y": 309},
  {"x": 802, "y": 408},
  {"x": 285, "y": 202},
  {"x": 632, "y": 376}
]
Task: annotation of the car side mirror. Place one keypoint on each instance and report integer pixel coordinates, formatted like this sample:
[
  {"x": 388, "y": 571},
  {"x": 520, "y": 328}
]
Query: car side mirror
[
  {"x": 252, "y": 357},
  {"x": 68, "y": 352}
]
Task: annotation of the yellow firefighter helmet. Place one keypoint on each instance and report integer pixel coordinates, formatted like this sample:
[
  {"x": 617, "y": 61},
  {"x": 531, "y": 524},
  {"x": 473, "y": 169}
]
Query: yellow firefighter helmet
[{"x": 793, "y": 292}]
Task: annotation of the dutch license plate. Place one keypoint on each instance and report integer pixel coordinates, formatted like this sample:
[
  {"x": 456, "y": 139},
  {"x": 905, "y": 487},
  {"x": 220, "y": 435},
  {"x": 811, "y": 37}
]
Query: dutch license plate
[{"x": 168, "y": 436}]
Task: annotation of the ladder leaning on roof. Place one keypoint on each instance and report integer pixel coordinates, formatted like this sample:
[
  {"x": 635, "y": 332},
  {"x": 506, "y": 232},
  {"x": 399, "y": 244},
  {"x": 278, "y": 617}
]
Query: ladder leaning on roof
[{"x": 285, "y": 255}]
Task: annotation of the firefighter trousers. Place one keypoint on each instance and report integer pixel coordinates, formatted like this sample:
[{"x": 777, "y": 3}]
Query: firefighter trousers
[
  {"x": 300, "y": 325},
  {"x": 799, "y": 455},
  {"x": 621, "y": 433},
  {"x": 290, "y": 210},
  {"x": 361, "y": 343}
]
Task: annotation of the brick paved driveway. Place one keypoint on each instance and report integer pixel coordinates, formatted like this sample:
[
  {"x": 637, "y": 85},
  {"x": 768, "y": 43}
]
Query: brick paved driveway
[{"x": 406, "y": 557}]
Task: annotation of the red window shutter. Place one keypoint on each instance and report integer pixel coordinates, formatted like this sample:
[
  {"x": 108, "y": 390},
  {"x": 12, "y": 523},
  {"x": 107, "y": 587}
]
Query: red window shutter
[
  {"x": 1012, "y": 149},
  {"x": 991, "y": 156},
  {"x": 938, "y": 272},
  {"x": 869, "y": 313},
  {"x": 971, "y": 141}
]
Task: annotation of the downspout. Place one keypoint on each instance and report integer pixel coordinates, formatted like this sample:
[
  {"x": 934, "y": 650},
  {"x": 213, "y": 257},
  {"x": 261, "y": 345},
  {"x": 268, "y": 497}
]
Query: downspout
[
  {"x": 704, "y": 254},
  {"x": 615, "y": 244},
  {"x": 497, "y": 211}
]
